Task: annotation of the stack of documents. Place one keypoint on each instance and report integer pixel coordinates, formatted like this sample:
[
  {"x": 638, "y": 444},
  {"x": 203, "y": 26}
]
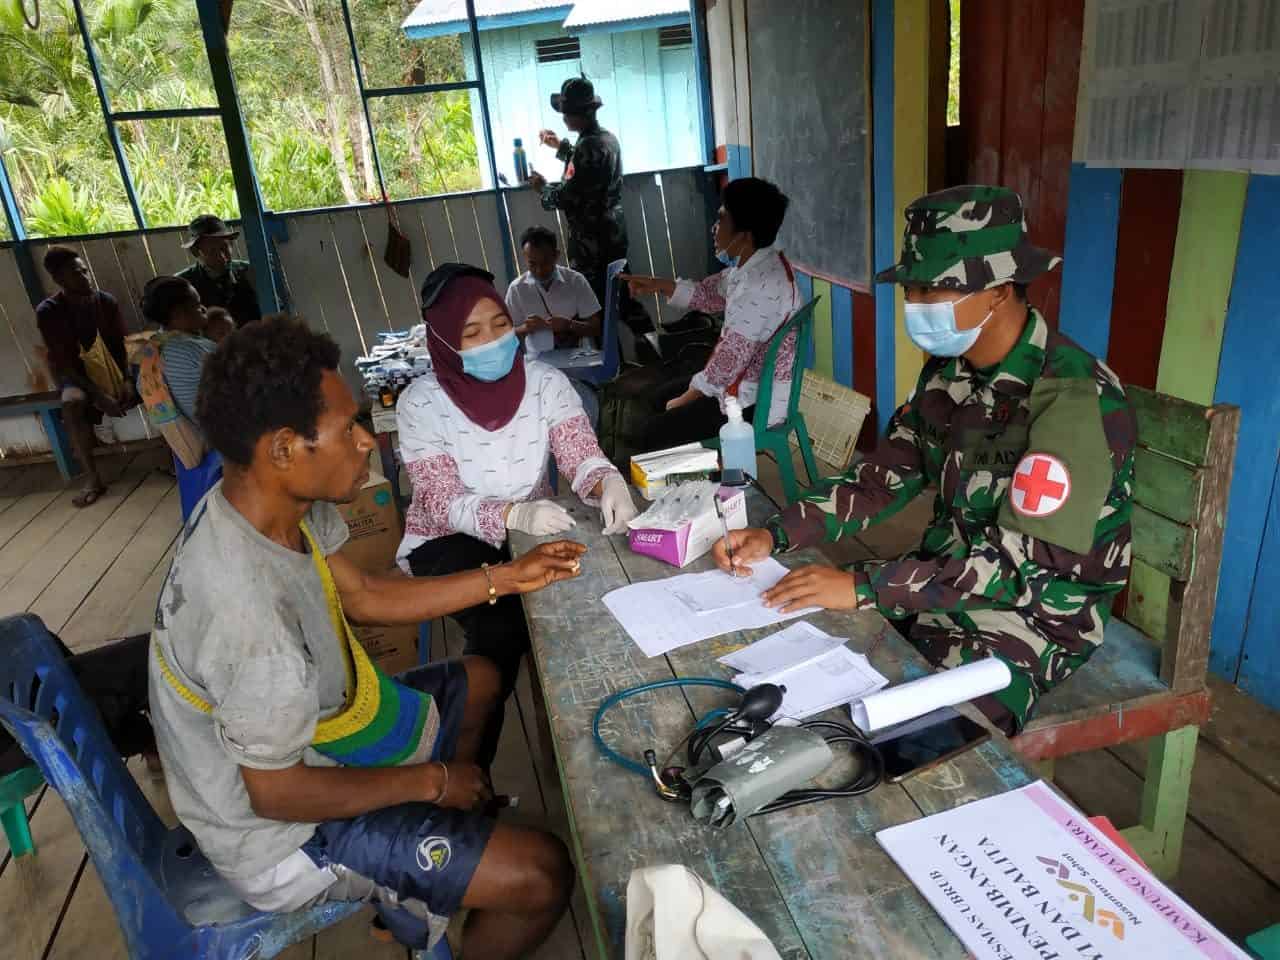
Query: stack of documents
[
  {"x": 661, "y": 615},
  {"x": 817, "y": 671}
]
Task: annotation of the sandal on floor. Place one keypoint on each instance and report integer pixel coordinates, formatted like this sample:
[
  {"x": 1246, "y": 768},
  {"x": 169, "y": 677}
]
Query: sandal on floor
[{"x": 88, "y": 498}]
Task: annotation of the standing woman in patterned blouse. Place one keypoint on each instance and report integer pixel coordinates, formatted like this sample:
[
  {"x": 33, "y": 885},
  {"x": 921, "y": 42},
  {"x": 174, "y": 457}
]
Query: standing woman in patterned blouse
[
  {"x": 477, "y": 435},
  {"x": 757, "y": 294}
]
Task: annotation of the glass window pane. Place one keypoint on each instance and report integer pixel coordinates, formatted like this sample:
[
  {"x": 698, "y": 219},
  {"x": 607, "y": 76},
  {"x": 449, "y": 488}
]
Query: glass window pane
[
  {"x": 152, "y": 54},
  {"x": 392, "y": 59},
  {"x": 427, "y": 143},
  {"x": 180, "y": 169},
  {"x": 52, "y": 134},
  {"x": 297, "y": 86}
]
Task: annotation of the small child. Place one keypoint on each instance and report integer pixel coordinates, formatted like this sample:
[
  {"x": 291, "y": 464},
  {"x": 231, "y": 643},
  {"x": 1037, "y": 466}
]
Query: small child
[{"x": 220, "y": 324}]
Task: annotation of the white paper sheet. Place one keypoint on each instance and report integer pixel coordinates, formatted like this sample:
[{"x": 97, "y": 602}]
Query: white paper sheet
[
  {"x": 715, "y": 590},
  {"x": 658, "y": 621},
  {"x": 795, "y": 646},
  {"x": 1025, "y": 876},
  {"x": 838, "y": 677},
  {"x": 943, "y": 689}
]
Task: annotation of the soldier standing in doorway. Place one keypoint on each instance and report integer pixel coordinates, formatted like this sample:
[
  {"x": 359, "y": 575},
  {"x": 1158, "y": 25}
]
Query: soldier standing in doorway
[
  {"x": 1029, "y": 441},
  {"x": 590, "y": 194}
]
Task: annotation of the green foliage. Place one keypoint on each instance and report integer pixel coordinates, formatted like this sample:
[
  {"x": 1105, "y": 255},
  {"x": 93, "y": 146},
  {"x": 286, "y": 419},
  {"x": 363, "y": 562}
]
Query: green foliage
[{"x": 297, "y": 90}]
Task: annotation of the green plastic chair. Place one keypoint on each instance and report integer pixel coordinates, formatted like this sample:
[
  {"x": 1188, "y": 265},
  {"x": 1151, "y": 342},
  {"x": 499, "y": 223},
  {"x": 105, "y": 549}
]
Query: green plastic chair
[
  {"x": 776, "y": 440},
  {"x": 14, "y": 790}
]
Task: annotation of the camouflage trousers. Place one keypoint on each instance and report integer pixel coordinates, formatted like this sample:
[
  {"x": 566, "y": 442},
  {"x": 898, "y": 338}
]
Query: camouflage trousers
[{"x": 1038, "y": 663}]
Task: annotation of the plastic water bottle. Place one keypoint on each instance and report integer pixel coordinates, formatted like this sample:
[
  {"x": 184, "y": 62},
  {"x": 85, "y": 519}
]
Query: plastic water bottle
[
  {"x": 521, "y": 161},
  {"x": 737, "y": 440}
]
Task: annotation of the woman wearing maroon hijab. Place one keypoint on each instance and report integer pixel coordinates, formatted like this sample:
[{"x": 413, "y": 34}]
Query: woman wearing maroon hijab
[{"x": 477, "y": 435}]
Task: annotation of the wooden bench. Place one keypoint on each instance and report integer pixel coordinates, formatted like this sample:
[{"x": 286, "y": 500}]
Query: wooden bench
[
  {"x": 1147, "y": 681},
  {"x": 48, "y": 406}
]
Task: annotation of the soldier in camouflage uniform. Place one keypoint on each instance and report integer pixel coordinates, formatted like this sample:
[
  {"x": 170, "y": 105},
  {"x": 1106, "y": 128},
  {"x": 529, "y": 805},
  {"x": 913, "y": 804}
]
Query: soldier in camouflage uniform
[
  {"x": 1029, "y": 441},
  {"x": 590, "y": 194}
]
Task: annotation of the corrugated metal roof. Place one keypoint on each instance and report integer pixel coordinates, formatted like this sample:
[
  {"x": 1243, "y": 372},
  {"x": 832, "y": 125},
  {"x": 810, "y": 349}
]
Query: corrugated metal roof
[
  {"x": 432, "y": 12},
  {"x": 584, "y": 13},
  {"x": 602, "y": 12}
]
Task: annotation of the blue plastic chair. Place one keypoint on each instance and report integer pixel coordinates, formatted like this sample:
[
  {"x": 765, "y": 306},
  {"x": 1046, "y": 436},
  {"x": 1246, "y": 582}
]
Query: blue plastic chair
[
  {"x": 604, "y": 372},
  {"x": 168, "y": 900},
  {"x": 196, "y": 482}
]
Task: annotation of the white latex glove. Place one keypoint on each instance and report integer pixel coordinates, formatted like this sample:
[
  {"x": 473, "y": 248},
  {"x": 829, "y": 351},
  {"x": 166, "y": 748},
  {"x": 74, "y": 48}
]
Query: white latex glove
[
  {"x": 616, "y": 507},
  {"x": 538, "y": 518}
]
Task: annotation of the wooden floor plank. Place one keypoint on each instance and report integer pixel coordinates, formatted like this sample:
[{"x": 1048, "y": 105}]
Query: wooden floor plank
[
  {"x": 29, "y": 542},
  {"x": 1227, "y": 802},
  {"x": 33, "y": 889},
  {"x": 351, "y": 938},
  {"x": 123, "y": 602},
  {"x": 44, "y": 565},
  {"x": 69, "y": 589},
  {"x": 18, "y": 517},
  {"x": 1227, "y": 892},
  {"x": 90, "y": 928},
  {"x": 1243, "y": 729}
]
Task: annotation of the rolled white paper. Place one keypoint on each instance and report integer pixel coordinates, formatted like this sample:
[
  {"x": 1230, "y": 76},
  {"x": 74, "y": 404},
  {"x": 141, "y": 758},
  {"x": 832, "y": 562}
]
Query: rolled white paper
[{"x": 943, "y": 689}]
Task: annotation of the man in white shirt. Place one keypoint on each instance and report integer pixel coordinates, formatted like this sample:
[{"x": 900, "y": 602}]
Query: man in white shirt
[{"x": 553, "y": 307}]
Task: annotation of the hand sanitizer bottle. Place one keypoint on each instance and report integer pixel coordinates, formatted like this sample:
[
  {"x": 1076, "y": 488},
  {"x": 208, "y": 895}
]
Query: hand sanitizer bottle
[{"x": 737, "y": 440}]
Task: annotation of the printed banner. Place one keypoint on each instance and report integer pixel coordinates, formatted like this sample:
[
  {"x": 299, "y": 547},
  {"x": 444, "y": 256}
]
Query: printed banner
[{"x": 1025, "y": 876}]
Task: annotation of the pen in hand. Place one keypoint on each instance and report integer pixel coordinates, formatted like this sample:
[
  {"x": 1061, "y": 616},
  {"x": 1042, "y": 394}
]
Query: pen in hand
[{"x": 728, "y": 547}]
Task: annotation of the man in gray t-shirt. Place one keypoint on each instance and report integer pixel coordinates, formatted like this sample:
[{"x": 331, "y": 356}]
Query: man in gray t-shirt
[{"x": 251, "y": 677}]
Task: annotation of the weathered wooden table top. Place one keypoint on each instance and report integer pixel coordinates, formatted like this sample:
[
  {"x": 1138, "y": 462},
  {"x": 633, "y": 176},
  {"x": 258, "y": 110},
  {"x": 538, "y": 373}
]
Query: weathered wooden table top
[{"x": 813, "y": 878}]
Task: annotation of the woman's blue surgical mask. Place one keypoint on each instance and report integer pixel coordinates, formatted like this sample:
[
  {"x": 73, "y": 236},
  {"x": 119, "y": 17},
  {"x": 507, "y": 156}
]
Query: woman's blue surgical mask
[
  {"x": 491, "y": 361},
  {"x": 932, "y": 328},
  {"x": 725, "y": 257}
]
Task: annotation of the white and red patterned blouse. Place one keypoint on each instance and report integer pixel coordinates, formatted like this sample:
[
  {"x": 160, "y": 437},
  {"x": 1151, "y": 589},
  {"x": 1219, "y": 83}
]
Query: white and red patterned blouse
[
  {"x": 464, "y": 476},
  {"x": 757, "y": 298}
]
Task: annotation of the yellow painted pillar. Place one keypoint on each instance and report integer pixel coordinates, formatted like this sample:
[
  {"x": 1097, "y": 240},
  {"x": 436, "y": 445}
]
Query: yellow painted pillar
[{"x": 910, "y": 152}]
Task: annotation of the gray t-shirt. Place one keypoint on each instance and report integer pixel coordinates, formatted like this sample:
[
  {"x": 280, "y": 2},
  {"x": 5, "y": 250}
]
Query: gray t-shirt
[{"x": 242, "y": 622}]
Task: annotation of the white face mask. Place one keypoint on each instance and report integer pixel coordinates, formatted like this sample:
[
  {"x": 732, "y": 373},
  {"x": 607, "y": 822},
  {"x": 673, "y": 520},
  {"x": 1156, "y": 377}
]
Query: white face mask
[{"x": 932, "y": 328}]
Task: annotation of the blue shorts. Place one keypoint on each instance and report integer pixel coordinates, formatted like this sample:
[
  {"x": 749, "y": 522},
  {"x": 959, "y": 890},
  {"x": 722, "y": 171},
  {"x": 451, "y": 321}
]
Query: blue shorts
[{"x": 416, "y": 859}]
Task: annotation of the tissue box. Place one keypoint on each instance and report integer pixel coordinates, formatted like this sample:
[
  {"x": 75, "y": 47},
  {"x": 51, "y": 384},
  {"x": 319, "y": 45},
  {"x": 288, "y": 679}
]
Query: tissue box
[
  {"x": 652, "y": 472},
  {"x": 682, "y": 544}
]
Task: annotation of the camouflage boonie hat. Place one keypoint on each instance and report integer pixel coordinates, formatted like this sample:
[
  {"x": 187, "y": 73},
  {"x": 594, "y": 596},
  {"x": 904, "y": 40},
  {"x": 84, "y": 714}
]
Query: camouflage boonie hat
[{"x": 968, "y": 238}]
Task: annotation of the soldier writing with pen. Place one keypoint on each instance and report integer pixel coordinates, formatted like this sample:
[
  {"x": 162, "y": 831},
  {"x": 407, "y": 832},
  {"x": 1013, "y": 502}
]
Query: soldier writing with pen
[{"x": 1029, "y": 442}]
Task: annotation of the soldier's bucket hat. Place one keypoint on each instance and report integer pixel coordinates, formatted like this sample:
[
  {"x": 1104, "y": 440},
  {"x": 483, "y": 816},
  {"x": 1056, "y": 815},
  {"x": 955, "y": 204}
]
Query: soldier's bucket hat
[
  {"x": 577, "y": 95},
  {"x": 968, "y": 238}
]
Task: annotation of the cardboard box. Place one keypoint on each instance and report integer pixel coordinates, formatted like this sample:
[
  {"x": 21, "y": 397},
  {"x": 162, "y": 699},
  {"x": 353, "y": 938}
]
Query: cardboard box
[
  {"x": 680, "y": 546},
  {"x": 375, "y": 535},
  {"x": 652, "y": 472}
]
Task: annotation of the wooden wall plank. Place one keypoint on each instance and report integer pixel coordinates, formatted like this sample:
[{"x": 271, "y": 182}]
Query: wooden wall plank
[
  {"x": 1147, "y": 229},
  {"x": 864, "y": 361},
  {"x": 822, "y": 328},
  {"x": 910, "y": 152},
  {"x": 1244, "y": 632},
  {"x": 104, "y": 263},
  {"x": 983, "y": 28},
  {"x": 494, "y": 246},
  {"x": 842, "y": 334},
  {"x": 1089, "y": 257},
  {"x": 19, "y": 317},
  {"x": 356, "y": 257},
  {"x": 654, "y": 227},
  {"x": 466, "y": 235},
  {"x": 167, "y": 253},
  {"x": 314, "y": 274},
  {"x": 688, "y": 207},
  {"x": 433, "y": 221},
  {"x": 885, "y": 219},
  {"x": 1204, "y": 262},
  {"x": 135, "y": 267},
  {"x": 399, "y": 294},
  {"x": 1024, "y": 102},
  {"x": 1048, "y": 222}
]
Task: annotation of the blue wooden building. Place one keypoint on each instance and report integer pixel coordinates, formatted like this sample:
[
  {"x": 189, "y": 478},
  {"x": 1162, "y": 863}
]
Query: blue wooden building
[{"x": 639, "y": 54}]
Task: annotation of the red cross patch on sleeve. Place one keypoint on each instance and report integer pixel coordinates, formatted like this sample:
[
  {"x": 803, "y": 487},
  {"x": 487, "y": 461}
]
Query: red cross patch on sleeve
[{"x": 1041, "y": 485}]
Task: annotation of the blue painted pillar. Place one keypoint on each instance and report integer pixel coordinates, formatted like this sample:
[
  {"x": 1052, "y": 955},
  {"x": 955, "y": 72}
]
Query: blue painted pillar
[
  {"x": 1089, "y": 256},
  {"x": 252, "y": 217},
  {"x": 21, "y": 252},
  {"x": 884, "y": 208}
]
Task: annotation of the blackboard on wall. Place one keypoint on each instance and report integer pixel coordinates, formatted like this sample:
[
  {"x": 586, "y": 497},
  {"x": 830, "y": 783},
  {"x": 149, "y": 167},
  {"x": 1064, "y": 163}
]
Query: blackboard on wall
[{"x": 811, "y": 127}]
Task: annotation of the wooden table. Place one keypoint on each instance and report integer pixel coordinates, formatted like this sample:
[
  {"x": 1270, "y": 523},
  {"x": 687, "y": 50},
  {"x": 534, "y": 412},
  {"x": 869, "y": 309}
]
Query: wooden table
[{"x": 813, "y": 878}]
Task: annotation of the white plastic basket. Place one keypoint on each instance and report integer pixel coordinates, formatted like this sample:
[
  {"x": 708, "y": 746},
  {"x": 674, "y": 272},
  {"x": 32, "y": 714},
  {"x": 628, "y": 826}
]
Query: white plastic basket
[{"x": 833, "y": 415}]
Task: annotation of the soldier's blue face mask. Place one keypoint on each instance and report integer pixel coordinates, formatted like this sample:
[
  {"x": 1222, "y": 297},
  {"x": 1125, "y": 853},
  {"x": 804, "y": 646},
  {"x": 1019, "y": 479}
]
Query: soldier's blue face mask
[{"x": 932, "y": 328}]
